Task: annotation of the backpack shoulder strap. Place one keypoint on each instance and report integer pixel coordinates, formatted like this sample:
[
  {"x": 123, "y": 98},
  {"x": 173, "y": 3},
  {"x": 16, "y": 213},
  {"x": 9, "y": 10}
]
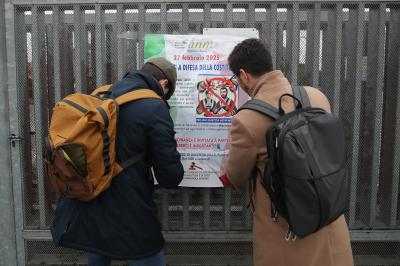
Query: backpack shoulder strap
[
  {"x": 132, "y": 96},
  {"x": 261, "y": 107},
  {"x": 131, "y": 161},
  {"x": 101, "y": 89},
  {"x": 301, "y": 94},
  {"x": 136, "y": 95}
]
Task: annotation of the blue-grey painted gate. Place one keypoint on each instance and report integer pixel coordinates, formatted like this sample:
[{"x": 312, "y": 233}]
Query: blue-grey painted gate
[{"x": 348, "y": 49}]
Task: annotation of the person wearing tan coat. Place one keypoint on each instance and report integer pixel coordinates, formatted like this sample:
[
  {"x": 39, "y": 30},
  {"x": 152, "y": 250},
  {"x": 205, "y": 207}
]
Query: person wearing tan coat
[{"x": 251, "y": 63}]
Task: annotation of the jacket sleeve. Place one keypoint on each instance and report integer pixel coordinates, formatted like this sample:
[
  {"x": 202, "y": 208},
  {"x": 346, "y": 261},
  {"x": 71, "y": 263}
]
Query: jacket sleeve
[
  {"x": 242, "y": 155},
  {"x": 164, "y": 156}
]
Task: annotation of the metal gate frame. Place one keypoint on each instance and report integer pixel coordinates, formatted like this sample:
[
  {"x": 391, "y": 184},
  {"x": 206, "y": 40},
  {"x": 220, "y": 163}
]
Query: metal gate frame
[
  {"x": 8, "y": 228},
  {"x": 12, "y": 227}
]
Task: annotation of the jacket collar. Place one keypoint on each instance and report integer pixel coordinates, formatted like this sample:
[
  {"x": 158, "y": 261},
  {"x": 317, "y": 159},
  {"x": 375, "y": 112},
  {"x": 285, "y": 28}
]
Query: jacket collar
[
  {"x": 137, "y": 79},
  {"x": 269, "y": 83},
  {"x": 140, "y": 79}
]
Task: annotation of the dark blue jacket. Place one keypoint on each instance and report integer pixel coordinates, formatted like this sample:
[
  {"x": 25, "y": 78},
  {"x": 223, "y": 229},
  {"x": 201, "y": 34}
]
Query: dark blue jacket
[{"x": 122, "y": 222}]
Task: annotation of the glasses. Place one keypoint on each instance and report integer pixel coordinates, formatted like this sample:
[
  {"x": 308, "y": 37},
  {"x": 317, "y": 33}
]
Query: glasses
[{"x": 234, "y": 79}]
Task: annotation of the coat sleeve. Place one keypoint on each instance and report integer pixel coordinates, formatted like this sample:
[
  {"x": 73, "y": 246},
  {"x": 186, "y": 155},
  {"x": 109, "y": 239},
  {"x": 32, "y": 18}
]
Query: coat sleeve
[
  {"x": 164, "y": 156},
  {"x": 242, "y": 155}
]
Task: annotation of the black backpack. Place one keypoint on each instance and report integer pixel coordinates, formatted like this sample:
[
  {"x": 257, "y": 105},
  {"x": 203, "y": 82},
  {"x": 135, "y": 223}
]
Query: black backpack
[{"x": 304, "y": 172}]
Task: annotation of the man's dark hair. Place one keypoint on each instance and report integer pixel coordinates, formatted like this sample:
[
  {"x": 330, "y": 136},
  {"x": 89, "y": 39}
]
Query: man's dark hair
[{"x": 252, "y": 56}]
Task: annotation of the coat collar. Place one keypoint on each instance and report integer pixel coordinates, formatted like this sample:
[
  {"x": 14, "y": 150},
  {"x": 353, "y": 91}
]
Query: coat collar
[
  {"x": 137, "y": 79},
  {"x": 269, "y": 84}
]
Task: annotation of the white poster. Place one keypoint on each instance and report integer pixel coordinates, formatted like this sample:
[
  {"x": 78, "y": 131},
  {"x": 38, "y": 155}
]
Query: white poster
[{"x": 204, "y": 101}]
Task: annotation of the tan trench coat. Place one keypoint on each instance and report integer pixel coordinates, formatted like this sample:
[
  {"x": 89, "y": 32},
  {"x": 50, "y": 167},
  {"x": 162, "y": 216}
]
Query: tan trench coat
[{"x": 329, "y": 246}]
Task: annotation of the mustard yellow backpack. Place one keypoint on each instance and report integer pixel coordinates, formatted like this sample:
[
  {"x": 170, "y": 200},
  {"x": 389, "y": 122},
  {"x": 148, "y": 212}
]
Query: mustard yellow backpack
[{"x": 80, "y": 148}]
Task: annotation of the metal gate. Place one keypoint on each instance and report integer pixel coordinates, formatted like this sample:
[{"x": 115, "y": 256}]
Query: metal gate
[{"x": 348, "y": 49}]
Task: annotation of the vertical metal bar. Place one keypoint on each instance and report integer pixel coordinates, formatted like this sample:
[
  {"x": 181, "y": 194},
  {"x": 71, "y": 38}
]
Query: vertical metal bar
[
  {"x": 396, "y": 152},
  {"x": 338, "y": 55},
  {"x": 120, "y": 41},
  {"x": 332, "y": 54},
  {"x": 206, "y": 207},
  {"x": 395, "y": 173},
  {"x": 67, "y": 85},
  {"x": 265, "y": 26},
  {"x": 92, "y": 58},
  {"x": 56, "y": 40},
  {"x": 78, "y": 48},
  {"x": 327, "y": 55},
  {"x": 15, "y": 22},
  {"x": 376, "y": 159},
  {"x": 374, "y": 105},
  {"x": 105, "y": 47},
  {"x": 142, "y": 25},
  {"x": 113, "y": 50},
  {"x": 25, "y": 117},
  {"x": 163, "y": 18},
  {"x": 165, "y": 194},
  {"x": 227, "y": 195},
  {"x": 8, "y": 252},
  {"x": 184, "y": 30},
  {"x": 84, "y": 50},
  {"x": 164, "y": 209},
  {"x": 280, "y": 48},
  {"x": 229, "y": 15},
  {"x": 251, "y": 13},
  {"x": 133, "y": 46},
  {"x": 46, "y": 63},
  {"x": 313, "y": 41},
  {"x": 273, "y": 33},
  {"x": 355, "y": 40},
  {"x": 185, "y": 18},
  {"x": 332, "y": 65},
  {"x": 38, "y": 97},
  {"x": 185, "y": 208},
  {"x": 49, "y": 99},
  {"x": 389, "y": 183},
  {"x": 292, "y": 42},
  {"x": 207, "y": 15},
  {"x": 99, "y": 46},
  {"x": 49, "y": 66},
  {"x": 227, "y": 208},
  {"x": 246, "y": 211}
]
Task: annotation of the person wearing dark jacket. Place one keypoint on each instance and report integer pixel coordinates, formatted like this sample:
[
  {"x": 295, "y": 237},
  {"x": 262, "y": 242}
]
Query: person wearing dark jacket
[{"x": 122, "y": 223}]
